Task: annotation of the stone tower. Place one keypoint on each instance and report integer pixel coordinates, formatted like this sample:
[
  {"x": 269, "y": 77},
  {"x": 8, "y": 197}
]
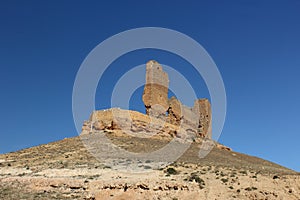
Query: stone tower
[
  {"x": 155, "y": 95},
  {"x": 202, "y": 106}
]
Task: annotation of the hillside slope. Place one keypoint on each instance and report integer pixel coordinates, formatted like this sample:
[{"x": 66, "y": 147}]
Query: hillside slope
[{"x": 66, "y": 170}]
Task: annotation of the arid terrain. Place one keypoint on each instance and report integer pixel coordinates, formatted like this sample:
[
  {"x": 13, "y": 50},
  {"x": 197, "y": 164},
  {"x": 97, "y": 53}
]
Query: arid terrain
[
  {"x": 167, "y": 153},
  {"x": 66, "y": 170}
]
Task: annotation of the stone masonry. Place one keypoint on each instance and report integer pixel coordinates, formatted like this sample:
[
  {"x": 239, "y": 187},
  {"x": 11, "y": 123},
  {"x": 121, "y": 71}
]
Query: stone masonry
[
  {"x": 155, "y": 95},
  {"x": 202, "y": 107},
  {"x": 158, "y": 105}
]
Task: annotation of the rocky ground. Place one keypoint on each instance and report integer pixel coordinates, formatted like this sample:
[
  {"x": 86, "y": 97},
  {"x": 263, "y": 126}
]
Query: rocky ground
[{"x": 66, "y": 170}]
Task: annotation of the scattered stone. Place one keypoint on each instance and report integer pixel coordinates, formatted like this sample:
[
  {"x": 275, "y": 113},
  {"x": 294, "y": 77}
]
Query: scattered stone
[{"x": 143, "y": 186}]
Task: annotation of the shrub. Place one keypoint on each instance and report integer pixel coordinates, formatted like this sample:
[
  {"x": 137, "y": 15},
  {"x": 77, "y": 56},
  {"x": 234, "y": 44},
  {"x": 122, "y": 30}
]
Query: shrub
[
  {"x": 171, "y": 171},
  {"x": 197, "y": 179},
  {"x": 224, "y": 180}
]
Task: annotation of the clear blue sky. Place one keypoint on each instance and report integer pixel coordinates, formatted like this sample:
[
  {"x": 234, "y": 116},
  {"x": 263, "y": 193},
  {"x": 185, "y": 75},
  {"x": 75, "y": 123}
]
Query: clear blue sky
[{"x": 255, "y": 44}]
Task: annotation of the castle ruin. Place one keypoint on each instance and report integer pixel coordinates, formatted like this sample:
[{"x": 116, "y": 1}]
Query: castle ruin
[
  {"x": 163, "y": 116},
  {"x": 158, "y": 105}
]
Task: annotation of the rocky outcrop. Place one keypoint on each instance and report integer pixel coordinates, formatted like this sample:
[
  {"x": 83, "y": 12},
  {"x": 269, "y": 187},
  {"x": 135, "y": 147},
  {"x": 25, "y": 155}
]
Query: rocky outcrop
[{"x": 130, "y": 122}]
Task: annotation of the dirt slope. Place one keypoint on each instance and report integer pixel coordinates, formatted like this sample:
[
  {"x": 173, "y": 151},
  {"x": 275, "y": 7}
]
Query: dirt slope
[{"x": 66, "y": 170}]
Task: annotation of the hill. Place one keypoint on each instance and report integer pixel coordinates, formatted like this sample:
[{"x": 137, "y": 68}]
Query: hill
[{"x": 66, "y": 170}]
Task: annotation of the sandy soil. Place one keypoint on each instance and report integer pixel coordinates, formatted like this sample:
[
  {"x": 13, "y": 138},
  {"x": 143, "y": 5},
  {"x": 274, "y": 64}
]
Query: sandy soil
[{"x": 66, "y": 170}]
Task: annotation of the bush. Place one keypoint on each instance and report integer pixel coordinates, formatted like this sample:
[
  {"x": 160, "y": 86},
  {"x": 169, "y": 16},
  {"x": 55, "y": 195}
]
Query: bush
[
  {"x": 224, "y": 180},
  {"x": 171, "y": 171},
  {"x": 197, "y": 179}
]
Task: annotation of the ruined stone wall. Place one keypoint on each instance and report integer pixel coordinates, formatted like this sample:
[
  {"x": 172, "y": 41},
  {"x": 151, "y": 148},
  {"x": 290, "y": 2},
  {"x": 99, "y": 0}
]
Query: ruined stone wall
[
  {"x": 156, "y": 101},
  {"x": 190, "y": 118},
  {"x": 129, "y": 122},
  {"x": 202, "y": 106},
  {"x": 180, "y": 114},
  {"x": 174, "y": 111}
]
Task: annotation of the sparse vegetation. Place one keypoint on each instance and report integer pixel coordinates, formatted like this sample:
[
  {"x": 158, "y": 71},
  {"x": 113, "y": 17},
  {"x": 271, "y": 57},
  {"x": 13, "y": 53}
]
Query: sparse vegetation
[
  {"x": 197, "y": 179},
  {"x": 222, "y": 174},
  {"x": 244, "y": 172},
  {"x": 196, "y": 174},
  {"x": 250, "y": 188},
  {"x": 224, "y": 180},
  {"x": 171, "y": 171},
  {"x": 147, "y": 167}
]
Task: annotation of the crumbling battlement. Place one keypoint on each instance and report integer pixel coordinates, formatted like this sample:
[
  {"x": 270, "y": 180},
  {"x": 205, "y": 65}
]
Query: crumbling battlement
[
  {"x": 158, "y": 105},
  {"x": 203, "y": 108}
]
